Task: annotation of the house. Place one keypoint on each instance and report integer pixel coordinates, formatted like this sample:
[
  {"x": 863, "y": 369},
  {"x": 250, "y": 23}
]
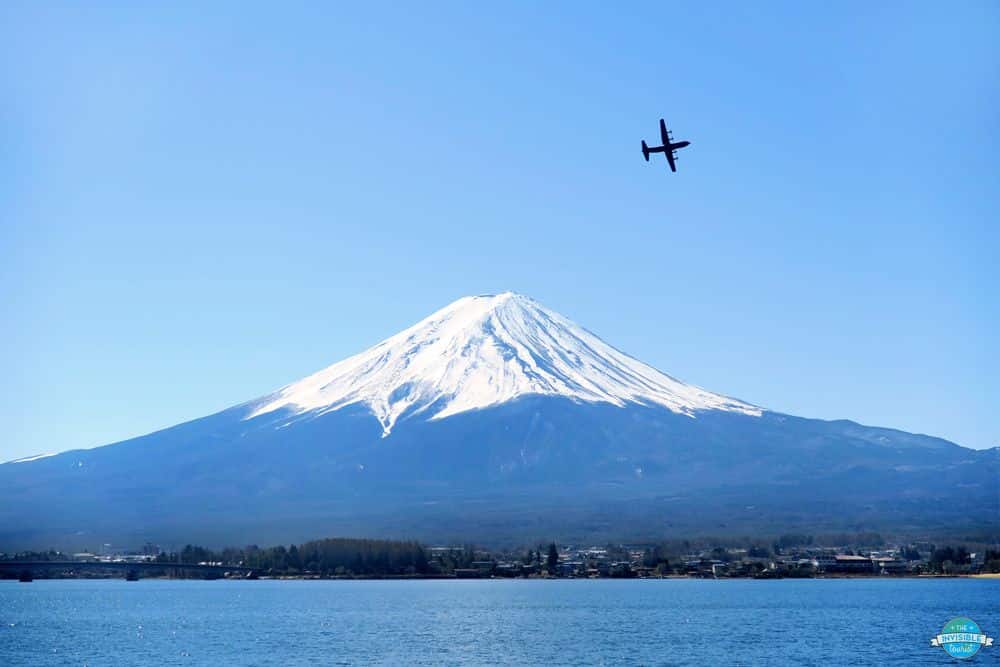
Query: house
[
  {"x": 888, "y": 565},
  {"x": 509, "y": 569},
  {"x": 485, "y": 567},
  {"x": 620, "y": 569},
  {"x": 850, "y": 564}
]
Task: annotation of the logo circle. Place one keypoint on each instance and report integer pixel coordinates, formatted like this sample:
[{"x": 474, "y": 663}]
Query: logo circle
[{"x": 961, "y": 649}]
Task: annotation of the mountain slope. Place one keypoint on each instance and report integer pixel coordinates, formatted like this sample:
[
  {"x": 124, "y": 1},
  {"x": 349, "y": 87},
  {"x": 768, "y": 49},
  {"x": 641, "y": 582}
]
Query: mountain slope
[
  {"x": 495, "y": 419},
  {"x": 482, "y": 351}
]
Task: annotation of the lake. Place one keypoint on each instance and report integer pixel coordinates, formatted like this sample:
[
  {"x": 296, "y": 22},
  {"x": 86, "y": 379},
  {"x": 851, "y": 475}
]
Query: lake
[{"x": 489, "y": 622}]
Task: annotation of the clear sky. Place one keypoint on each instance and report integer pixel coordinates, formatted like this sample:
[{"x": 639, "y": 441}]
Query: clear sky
[{"x": 203, "y": 202}]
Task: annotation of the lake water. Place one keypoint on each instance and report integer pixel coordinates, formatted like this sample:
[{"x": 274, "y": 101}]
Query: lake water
[{"x": 489, "y": 622}]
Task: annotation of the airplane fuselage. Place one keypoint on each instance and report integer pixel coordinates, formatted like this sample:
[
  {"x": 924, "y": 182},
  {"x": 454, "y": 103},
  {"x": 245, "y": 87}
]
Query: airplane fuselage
[{"x": 667, "y": 148}]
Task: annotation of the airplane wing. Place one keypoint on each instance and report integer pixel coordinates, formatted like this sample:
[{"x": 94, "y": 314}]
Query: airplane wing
[
  {"x": 670, "y": 158},
  {"x": 664, "y": 135}
]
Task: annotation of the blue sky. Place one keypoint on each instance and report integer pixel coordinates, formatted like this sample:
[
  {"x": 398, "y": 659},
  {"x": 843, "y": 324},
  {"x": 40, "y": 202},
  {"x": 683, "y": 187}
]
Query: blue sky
[{"x": 202, "y": 204}]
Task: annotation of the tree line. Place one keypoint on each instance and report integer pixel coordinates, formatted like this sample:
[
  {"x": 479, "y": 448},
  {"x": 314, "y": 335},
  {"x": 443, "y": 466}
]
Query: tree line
[{"x": 326, "y": 557}]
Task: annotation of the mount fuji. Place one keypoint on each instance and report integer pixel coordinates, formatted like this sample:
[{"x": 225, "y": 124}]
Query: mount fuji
[
  {"x": 484, "y": 351},
  {"x": 496, "y": 419}
]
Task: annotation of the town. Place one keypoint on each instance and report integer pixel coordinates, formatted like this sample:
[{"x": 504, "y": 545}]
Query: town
[{"x": 790, "y": 556}]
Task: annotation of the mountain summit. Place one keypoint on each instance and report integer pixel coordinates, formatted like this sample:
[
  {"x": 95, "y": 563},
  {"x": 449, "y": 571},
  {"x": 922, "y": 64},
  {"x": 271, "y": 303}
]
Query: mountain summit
[
  {"x": 481, "y": 351},
  {"x": 496, "y": 420}
]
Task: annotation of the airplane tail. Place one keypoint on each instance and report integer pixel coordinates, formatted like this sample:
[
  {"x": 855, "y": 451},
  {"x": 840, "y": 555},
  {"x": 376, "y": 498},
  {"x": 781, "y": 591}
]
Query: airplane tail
[{"x": 645, "y": 150}]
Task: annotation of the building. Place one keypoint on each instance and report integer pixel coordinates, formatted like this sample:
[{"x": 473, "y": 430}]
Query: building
[
  {"x": 888, "y": 565},
  {"x": 468, "y": 573},
  {"x": 485, "y": 567},
  {"x": 850, "y": 564}
]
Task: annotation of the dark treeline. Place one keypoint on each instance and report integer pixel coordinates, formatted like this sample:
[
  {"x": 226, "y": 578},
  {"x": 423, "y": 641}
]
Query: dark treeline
[
  {"x": 346, "y": 557},
  {"x": 50, "y": 555},
  {"x": 327, "y": 557}
]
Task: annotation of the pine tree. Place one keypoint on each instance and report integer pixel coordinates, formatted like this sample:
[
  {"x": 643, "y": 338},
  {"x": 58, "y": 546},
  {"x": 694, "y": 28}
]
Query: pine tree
[{"x": 552, "y": 560}]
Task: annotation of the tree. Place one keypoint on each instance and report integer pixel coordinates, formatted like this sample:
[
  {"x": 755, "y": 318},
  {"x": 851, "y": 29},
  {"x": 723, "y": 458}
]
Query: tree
[
  {"x": 279, "y": 558},
  {"x": 794, "y": 540},
  {"x": 294, "y": 559},
  {"x": 552, "y": 560},
  {"x": 991, "y": 562},
  {"x": 962, "y": 556}
]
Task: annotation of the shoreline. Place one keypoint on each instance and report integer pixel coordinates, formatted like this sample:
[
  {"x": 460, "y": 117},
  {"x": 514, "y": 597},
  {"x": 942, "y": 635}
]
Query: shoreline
[{"x": 986, "y": 576}]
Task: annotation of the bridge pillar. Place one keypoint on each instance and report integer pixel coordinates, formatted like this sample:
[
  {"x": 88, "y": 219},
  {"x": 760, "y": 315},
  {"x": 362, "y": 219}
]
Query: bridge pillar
[
  {"x": 24, "y": 576},
  {"x": 131, "y": 575}
]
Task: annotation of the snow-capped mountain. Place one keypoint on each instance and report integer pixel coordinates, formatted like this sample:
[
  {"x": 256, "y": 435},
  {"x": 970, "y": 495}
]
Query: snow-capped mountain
[
  {"x": 481, "y": 351},
  {"x": 495, "y": 419}
]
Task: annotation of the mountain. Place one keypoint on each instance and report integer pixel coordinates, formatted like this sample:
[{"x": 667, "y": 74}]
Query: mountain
[
  {"x": 483, "y": 351},
  {"x": 496, "y": 419}
]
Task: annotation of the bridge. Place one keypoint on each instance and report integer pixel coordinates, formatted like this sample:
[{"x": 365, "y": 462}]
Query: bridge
[{"x": 27, "y": 569}]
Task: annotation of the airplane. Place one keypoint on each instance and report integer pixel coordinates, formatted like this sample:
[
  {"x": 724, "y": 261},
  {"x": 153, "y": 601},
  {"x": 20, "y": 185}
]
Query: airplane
[{"x": 669, "y": 147}]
